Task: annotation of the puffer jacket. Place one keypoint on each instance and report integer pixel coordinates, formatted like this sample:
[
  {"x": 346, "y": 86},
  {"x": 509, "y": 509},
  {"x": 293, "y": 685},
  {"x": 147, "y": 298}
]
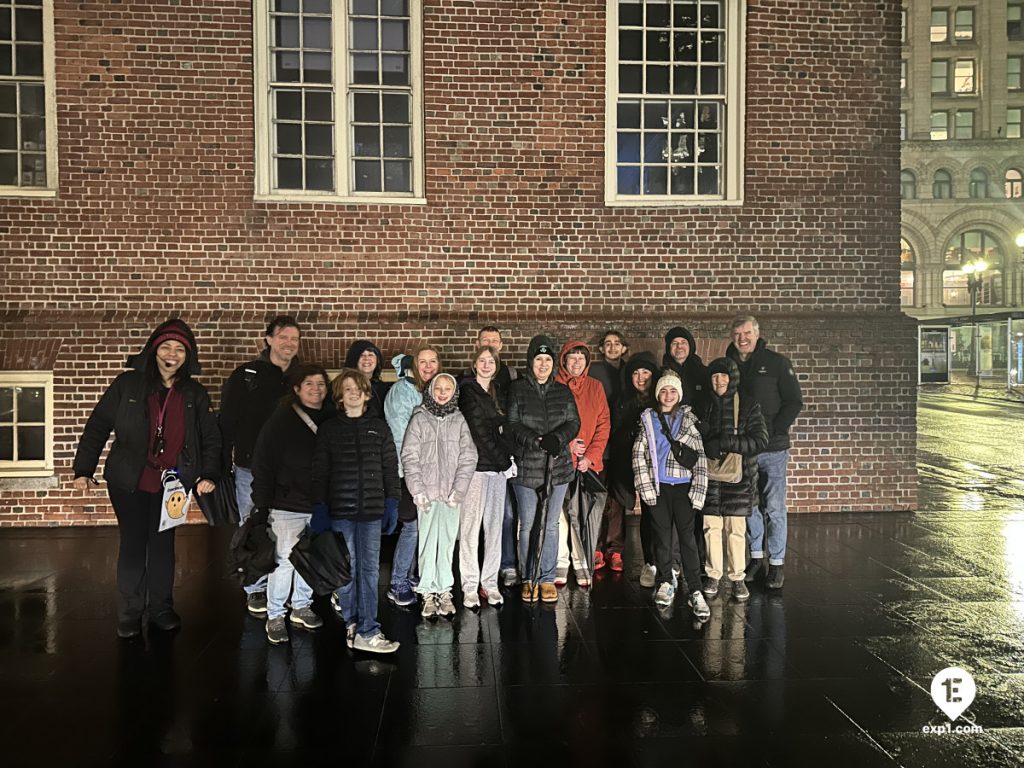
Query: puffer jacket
[
  {"x": 123, "y": 410},
  {"x": 748, "y": 440},
  {"x": 591, "y": 405},
  {"x": 439, "y": 456},
  {"x": 355, "y": 467},
  {"x": 535, "y": 410},
  {"x": 282, "y": 461},
  {"x": 486, "y": 425},
  {"x": 401, "y": 400},
  {"x": 769, "y": 379}
]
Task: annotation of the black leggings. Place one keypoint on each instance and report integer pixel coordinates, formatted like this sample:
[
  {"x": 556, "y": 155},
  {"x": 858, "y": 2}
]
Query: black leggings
[
  {"x": 674, "y": 510},
  {"x": 145, "y": 560}
]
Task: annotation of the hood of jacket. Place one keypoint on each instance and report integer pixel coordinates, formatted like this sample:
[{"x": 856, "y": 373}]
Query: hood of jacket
[
  {"x": 564, "y": 377},
  {"x": 402, "y": 363},
  {"x": 728, "y": 367},
  {"x": 356, "y": 351},
  {"x": 179, "y": 328}
]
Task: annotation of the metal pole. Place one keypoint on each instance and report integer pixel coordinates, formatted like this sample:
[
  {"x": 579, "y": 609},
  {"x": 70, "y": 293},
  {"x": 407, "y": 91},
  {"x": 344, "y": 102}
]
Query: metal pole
[{"x": 972, "y": 284}]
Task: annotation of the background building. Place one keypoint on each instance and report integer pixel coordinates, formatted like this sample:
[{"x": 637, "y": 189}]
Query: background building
[
  {"x": 962, "y": 173},
  {"x": 403, "y": 171}
]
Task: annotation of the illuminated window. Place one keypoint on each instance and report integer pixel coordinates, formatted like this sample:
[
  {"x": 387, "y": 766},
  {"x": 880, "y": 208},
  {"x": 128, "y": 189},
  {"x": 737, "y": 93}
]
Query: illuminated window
[
  {"x": 963, "y": 76},
  {"x": 968, "y": 247},
  {"x": 1013, "y": 70},
  {"x": 940, "y": 25},
  {"x": 906, "y": 274},
  {"x": 963, "y": 24},
  {"x": 940, "y": 126},
  {"x": 1013, "y": 184},
  {"x": 674, "y": 121},
  {"x": 26, "y": 423}
]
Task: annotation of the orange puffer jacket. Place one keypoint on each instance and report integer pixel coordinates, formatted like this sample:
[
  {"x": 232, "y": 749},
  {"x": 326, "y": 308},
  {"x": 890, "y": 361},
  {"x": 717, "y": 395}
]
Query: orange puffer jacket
[{"x": 595, "y": 421}]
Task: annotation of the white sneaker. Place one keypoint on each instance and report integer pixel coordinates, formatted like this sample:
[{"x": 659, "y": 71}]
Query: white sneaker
[
  {"x": 561, "y": 576},
  {"x": 350, "y": 634},
  {"x": 494, "y": 598},
  {"x": 335, "y": 603},
  {"x": 429, "y": 607},
  {"x": 665, "y": 595},
  {"x": 445, "y": 606},
  {"x": 470, "y": 598},
  {"x": 648, "y": 575},
  {"x": 376, "y": 644},
  {"x": 700, "y": 606},
  {"x": 510, "y": 577}
]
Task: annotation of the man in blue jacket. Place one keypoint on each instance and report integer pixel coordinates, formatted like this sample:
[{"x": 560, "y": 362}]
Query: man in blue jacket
[{"x": 768, "y": 378}]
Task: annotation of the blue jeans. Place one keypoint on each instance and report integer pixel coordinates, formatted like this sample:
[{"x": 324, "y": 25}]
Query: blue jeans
[
  {"x": 508, "y": 530},
  {"x": 286, "y": 527},
  {"x": 526, "y": 499},
  {"x": 358, "y": 598},
  {"x": 243, "y": 490},
  {"x": 404, "y": 563},
  {"x": 771, "y": 512}
]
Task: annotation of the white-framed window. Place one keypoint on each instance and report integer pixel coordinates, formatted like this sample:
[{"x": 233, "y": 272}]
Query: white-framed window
[
  {"x": 903, "y": 126},
  {"x": 674, "y": 104},
  {"x": 1013, "y": 122},
  {"x": 940, "y": 126},
  {"x": 26, "y": 423},
  {"x": 939, "y": 28},
  {"x": 963, "y": 124},
  {"x": 28, "y": 112},
  {"x": 903, "y": 77},
  {"x": 963, "y": 76},
  {"x": 1013, "y": 72},
  {"x": 940, "y": 76},
  {"x": 963, "y": 24},
  {"x": 1013, "y": 184},
  {"x": 338, "y": 100}
]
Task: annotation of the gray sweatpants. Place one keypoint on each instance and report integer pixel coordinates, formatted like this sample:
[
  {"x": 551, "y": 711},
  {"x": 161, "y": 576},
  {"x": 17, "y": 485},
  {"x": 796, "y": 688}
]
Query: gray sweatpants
[{"x": 484, "y": 505}]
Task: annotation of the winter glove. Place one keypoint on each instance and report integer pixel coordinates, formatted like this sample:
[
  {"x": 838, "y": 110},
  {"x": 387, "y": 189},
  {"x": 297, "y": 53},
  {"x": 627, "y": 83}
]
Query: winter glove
[
  {"x": 549, "y": 443},
  {"x": 389, "y": 522},
  {"x": 320, "y": 520},
  {"x": 512, "y": 470},
  {"x": 713, "y": 448}
]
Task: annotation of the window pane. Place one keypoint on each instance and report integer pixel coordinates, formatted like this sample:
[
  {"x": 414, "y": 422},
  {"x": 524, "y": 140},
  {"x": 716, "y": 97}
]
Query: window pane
[
  {"x": 711, "y": 81},
  {"x": 28, "y": 25},
  {"x": 366, "y": 107},
  {"x": 964, "y": 125},
  {"x": 964, "y": 24},
  {"x": 289, "y": 173},
  {"x": 628, "y": 180},
  {"x": 657, "y": 45},
  {"x": 6, "y": 404},
  {"x": 286, "y": 67},
  {"x": 288, "y": 6},
  {"x": 8, "y": 99},
  {"x": 316, "y": 33},
  {"x": 939, "y": 26},
  {"x": 396, "y": 108},
  {"x": 289, "y": 139},
  {"x": 963, "y": 76},
  {"x": 710, "y": 14},
  {"x": 397, "y": 176},
  {"x": 316, "y": 67},
  {"x": 364, "y": 69},
  {"x": 682, "y": 180},
  {"x": 319, "y": 106},
  {"x": 940, "y": 76},
  {"x": 707, "y": 181},
  {"x": 1013, "y": 73},
  {"x": 6, "y": 443},
  {"x": 394, "y": 8},
  {"x": 711, "y": 47},
  {"x": 631, "y": 78},
  {"x": 364, "y": 7},
  {"x": 631, "y": 45},
  {"x": 364, "y": 35},
  {"x": 320, "y": 140},
  {"x": 33, "y": 170},
  {"x": 316, "y": 6},
  {"x": 366, "y": 141},
  {"x": 396, "y": 142},
  {"x": 33, "y": 133},
  {"x": 394, "y": 36},
  {"x": 31, "y": 404},
  {"x": 1013, "y": 123},
  {"x": 394, "y": 69},
  {"x": 655, "y": 147},
  {"x": 940, "y": 126},
  {"x": 628, "y": 114},
  {"x": 28, "y": 60},
  {"x": 367, "y": 175},
  {"x": 289, "y": 105},
  {"x": 6, "y": 59},
  {"x": 8, "y": 133},
  {"x": 8, "y": 169},
  {"x": 629, "y": 148},
  {"x": 655, "y": 180},
  {"x": 657, "y": 14},
  {"x": 31, "y": 443},
  {"x": 631, "y": 14},
  {"x": 286, "y": 32},
  {"x": 684, "y": 46},
  {"x": 684, "y": 81},
  {"x": 320, "y": 175}
]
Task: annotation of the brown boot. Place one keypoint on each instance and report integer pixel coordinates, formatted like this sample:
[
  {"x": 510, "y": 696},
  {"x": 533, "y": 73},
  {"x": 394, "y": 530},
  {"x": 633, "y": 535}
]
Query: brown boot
[
  {"x": 530, "y": 592},
  {"x": 548, "y": 593}
]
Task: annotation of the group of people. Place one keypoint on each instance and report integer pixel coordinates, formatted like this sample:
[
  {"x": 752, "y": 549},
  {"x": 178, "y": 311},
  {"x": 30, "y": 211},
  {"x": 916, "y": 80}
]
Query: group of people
[{"x": 480, "y": 462}]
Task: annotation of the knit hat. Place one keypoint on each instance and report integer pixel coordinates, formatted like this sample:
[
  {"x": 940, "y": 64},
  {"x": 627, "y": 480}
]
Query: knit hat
[
  {"x": 540, "y": 345},
  {"x": 669, "y": 380},
  {"x": 172, "y": 333},
  {"x": 170, "y": 330}
]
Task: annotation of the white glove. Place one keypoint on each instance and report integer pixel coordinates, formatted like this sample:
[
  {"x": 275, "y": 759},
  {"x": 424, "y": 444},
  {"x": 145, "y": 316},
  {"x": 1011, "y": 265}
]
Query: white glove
[
  {"x": 512, "y": 471},
  {"x": 422, "y": 502}
]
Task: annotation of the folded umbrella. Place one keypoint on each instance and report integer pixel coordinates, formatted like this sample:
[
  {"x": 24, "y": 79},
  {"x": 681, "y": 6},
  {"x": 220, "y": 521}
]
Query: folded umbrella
[
  {"x": 220, "y": 506},
  {"x": 322, "y": 560},
  {"x": 584, "y": 504}
]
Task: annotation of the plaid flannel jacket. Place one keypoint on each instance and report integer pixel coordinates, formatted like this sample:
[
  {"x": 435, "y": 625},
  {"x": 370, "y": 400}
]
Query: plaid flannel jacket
[{"x": 645, "y": 459}]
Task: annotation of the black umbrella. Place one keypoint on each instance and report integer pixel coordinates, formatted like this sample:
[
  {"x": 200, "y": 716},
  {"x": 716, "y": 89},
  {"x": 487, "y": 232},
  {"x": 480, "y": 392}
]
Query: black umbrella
[
  {"x": 539, "y": 529},
  {"x": 322, "y": 560},
  {"x": 220, "y": 506},
  {"x": 585, "y": 506},
  {"x": 252, "y": 553}
]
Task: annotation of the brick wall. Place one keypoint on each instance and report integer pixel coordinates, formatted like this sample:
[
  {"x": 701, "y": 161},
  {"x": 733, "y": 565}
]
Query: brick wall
[{"x": 155, "y": 216}]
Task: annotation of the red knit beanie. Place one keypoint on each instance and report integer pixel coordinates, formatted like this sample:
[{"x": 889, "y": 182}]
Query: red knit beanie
[{"x": 173, "y": 333}]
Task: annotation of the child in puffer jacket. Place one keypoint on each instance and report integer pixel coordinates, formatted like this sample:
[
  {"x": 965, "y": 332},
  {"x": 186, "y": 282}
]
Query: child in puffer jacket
[{"x": 439, "y": 458}]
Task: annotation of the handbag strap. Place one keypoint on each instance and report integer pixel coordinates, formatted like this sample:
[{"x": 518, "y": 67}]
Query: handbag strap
[
  {"x": 665, "y": 429},
  {"x": 305, "y": 417},
  {"x": 736, "y": 412}
]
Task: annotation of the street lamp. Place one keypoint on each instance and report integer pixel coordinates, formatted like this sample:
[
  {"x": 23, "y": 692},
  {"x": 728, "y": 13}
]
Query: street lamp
[{"x": 974, "y": 271}]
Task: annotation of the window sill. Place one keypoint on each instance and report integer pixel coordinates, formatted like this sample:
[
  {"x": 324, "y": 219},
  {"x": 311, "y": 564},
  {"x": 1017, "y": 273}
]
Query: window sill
[
  {"x": 27, "y": 483},
  {"x": 689, "y": 202},
  {"x": 23, "y": 192},
  {"x": 338, "y": 199}
]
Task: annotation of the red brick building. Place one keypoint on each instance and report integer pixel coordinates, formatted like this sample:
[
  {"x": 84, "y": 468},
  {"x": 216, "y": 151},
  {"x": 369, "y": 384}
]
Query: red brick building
[{"x": 407, "y": 170}]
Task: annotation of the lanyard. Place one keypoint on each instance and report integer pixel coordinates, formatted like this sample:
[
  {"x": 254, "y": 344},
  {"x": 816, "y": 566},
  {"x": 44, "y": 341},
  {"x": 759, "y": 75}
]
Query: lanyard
[{"x": 158, "y": 440}]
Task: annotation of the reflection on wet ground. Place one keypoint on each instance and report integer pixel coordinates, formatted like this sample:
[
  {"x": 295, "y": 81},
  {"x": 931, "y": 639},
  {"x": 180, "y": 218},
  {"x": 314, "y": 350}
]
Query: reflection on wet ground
[{"x": 835, "y": 668}]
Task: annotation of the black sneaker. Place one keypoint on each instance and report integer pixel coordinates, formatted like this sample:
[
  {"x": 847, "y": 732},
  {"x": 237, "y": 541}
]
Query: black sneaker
[
  {"x": 740, "y": 591},
  {"x": 753, "y": 567},
  {"x": 129, "y": 628},
  {"x": 710, "y": 587},
  {"x": 256, "y": 604},
  {"x": 277, "y": 632},
  {"x": 166, "y": 620},
  {"x": 775, "y": 577}
]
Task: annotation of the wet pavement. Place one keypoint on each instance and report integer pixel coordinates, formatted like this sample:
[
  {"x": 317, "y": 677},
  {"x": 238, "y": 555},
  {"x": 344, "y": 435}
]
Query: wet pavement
[{"x": 835, "y": 669}]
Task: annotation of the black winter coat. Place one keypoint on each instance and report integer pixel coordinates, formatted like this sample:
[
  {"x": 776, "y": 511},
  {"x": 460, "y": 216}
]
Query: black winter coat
[
  {"x": 750, "y": 439},
  {"x": 611, "y": 379},
  {"x": 355, "y": 467},
  {"x": 767, "y": 377},
  {"x": 493, "y": 448},
  {"x": 249, "y": 397},
  {"x": 694, "y": 375},
  {"x": 535, "y": 410},
  {"x": 282, "y": 464},
  {"x": 123, "y": 410},
  {"x": 619, "y": 466}
]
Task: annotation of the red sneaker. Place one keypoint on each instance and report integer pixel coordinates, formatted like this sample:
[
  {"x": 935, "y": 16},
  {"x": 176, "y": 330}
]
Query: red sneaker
[
  {"x": 615, "y": 560},
  {"x": 598, "y": 560}
]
